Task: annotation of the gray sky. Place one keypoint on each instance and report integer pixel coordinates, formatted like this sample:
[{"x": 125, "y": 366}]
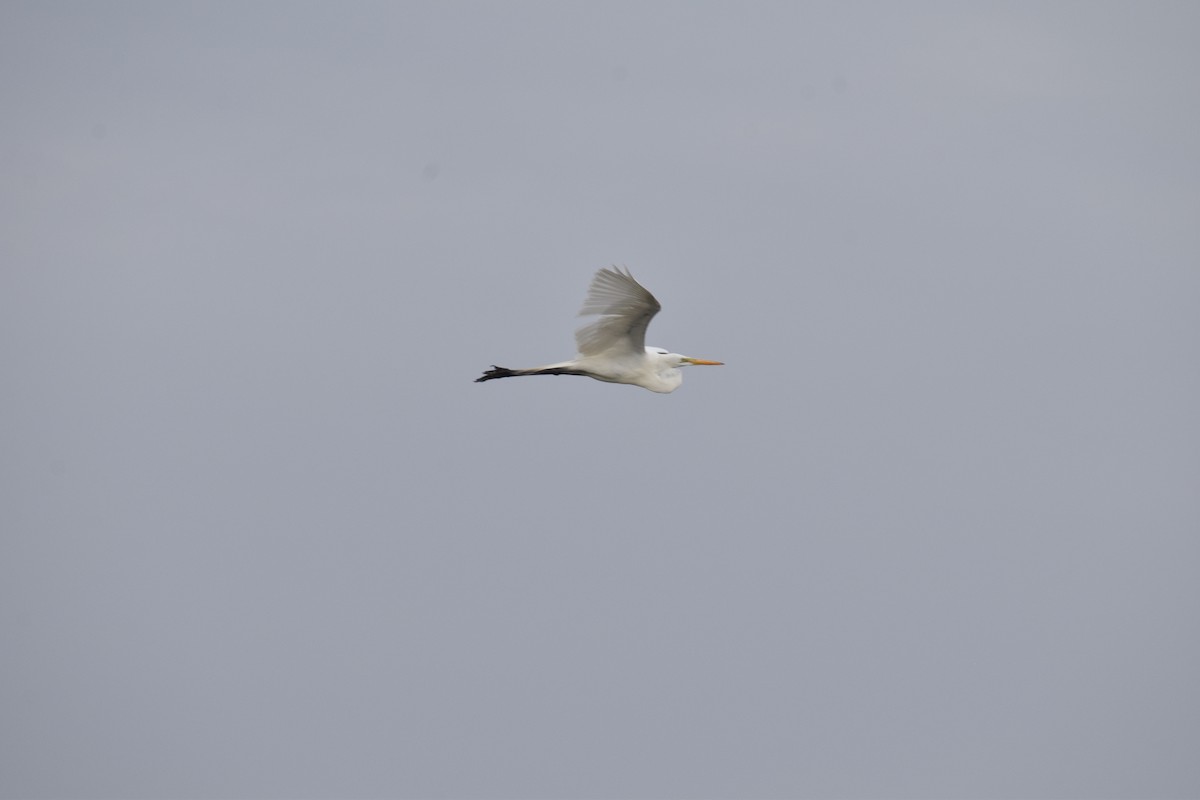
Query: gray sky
[{"x": 932, "y": 531}]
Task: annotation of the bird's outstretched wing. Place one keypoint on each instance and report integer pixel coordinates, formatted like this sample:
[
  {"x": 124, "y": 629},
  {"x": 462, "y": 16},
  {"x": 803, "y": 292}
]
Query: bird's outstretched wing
[{"x": 625, "y": 309}]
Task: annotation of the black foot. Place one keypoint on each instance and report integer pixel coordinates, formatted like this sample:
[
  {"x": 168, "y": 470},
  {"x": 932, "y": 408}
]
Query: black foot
[{"x": 495, "y": 372}]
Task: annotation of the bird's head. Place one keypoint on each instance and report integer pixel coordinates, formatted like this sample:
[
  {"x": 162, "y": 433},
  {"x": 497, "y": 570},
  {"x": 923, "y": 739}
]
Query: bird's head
[{"x": 670, "y": 359}]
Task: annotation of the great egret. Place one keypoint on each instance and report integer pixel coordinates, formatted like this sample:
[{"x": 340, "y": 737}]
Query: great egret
[{"x": 613, "y": 348}]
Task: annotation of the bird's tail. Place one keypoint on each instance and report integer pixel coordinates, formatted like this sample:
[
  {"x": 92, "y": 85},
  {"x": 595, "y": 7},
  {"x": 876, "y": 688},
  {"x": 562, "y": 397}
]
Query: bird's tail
[{"x": 505, "y": 372}]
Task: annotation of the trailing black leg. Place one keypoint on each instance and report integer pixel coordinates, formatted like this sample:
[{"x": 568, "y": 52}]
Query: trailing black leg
[{"x": 505, "y": 372}]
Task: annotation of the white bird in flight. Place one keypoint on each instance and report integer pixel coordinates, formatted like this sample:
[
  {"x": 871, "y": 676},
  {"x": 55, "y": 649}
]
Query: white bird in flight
[{"x": 613, "y": 348}]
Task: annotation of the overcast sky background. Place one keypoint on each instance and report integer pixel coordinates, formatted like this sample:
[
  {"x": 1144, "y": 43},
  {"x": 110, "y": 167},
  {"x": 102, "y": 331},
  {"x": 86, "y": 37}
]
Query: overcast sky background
[{"x": 934, "y": 531}]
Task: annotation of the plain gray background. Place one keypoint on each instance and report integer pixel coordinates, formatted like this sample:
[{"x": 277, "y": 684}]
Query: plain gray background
[{"x": 932, "y": 532}]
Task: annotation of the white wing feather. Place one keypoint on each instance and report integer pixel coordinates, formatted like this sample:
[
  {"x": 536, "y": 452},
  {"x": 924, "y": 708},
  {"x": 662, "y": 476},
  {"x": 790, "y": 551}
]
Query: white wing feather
[{"x": 625, "y": 309}]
